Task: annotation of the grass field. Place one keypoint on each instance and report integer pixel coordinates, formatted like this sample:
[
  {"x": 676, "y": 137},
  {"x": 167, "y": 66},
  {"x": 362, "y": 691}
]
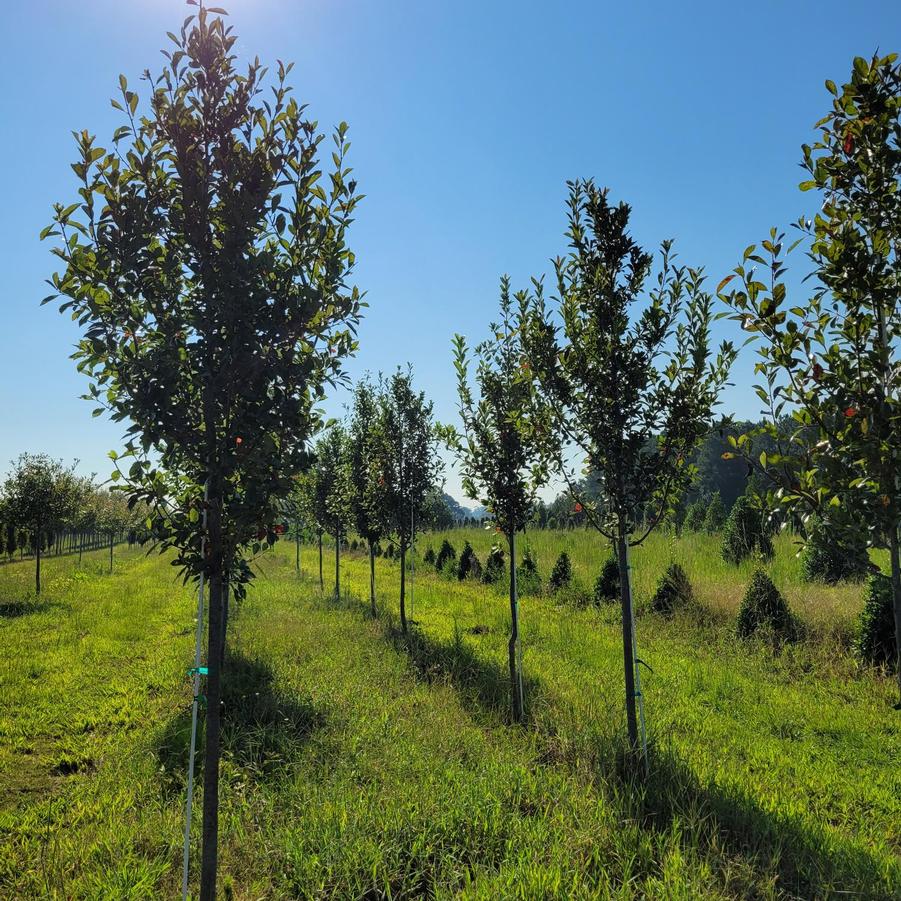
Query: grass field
[{"x": 359, "y": 764}]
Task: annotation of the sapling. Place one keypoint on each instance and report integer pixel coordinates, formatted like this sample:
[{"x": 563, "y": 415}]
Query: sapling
[{"x": 623, "y": 381}]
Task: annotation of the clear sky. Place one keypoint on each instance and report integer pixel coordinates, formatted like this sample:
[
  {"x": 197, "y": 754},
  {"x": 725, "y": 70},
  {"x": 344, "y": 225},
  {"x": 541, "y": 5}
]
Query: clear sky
[{"x": 466, "y": 120}]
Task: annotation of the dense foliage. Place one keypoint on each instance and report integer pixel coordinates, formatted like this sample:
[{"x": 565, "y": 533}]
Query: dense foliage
[
  {"x": 764, "y": 607},
  {"x": 745, "y": 532}
]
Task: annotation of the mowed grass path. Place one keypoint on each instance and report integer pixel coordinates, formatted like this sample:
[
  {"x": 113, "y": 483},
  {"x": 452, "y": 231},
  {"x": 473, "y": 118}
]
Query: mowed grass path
[{"x": 359, "y": 765}]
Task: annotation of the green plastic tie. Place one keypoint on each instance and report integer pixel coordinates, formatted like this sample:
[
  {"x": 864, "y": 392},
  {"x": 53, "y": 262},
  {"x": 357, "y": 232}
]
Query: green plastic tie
[{"x": 199, "y": 671}]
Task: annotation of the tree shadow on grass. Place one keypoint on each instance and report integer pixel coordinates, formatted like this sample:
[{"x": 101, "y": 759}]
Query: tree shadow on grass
[
  {"x": 15, "y": 609},
  {"x": 765, "y": 852},
  {"x": 263, "y": 727},
  {"x": 482, "y": 682}
]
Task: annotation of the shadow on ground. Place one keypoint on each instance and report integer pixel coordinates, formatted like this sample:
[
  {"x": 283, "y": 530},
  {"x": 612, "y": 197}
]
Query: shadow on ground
[
  {"x": 481, "y": 682},
  {"x": 10, "y": 609},
  {"x": 759, "y": 852},
  {"x": 263, "y": 727}
]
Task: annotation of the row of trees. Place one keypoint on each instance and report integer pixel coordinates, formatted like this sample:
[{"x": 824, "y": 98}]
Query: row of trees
[
  {"x": 625, "y": 393},
  {"x": 46, "y": 509},
  {"x": 376, "y": 475}
]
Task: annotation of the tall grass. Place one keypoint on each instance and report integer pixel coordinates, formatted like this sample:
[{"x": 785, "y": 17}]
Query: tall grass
[{"x": 362, "y": 764}]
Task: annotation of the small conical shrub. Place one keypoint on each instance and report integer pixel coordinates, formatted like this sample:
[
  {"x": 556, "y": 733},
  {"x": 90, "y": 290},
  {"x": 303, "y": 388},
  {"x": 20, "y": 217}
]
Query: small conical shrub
[
  {"x": 606, "y": 588},
  {"x": 875, "y": 640},
  {"x": 745, "y": 533},
  {"x": 673, "y": 590},
  {"x": 528, "y": 580},
  {"x": 828, "y": 558},
  {"x": 445, "y": 553},
  {"x": 354, "y": 544},
  {"x": 495, "y": 568},
  {"x": 715, "y": 517},
  {"x": 764, "y": 606},
  {"x": 694, "y": 516},
  {"x": 429, "y": 555},
  {"x": 468, "y": 565},
  {"x": 389, "y": 552},
  {"x": 562, "y": 573}
]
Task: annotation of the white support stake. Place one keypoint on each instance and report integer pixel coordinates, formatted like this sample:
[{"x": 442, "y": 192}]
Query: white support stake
[{"x": 194, "y": 708}]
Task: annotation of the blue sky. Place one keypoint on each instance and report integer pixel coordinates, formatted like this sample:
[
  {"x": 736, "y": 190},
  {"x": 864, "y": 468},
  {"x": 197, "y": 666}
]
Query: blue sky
[{"x": 466, "y": 120}]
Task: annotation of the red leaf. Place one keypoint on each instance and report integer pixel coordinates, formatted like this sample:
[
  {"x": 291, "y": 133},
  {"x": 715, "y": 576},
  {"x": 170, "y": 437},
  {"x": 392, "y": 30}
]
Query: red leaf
[
  {"x": 724, "y": 282},
  {"x": 850, "y": 412},
  {"x": 849, "y": 143}
]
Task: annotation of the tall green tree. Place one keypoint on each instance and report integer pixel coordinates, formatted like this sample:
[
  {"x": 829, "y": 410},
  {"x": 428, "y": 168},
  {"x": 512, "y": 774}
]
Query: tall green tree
[
  {"x": 334, "y": 489},
  {"x": 622, "y": 379},
  {"x": 500, "y": 462},
  {"x": 306, "y": 498},
  {"x": 370, "y": 458},
  {"x": 205, "y": 260},
  {"x": 831, "y": 360},
  {"x": 413, "y": 465},
  {"x": 39, "y": 495}
]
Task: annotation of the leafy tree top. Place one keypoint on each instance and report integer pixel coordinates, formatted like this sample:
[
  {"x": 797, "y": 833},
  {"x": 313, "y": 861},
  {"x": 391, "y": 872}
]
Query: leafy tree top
[
  {"x": 629, "y": 392},
  {"x": 831, "y": 362},
  {"x": 413, "y": 466},
  {"x": 369, "y": 458},
  {"x": 206, "y": 261},
  {"x": 333, "y": 492},
  {"x": 40, "y": 493},
  {"x": 500, "y": 464}
]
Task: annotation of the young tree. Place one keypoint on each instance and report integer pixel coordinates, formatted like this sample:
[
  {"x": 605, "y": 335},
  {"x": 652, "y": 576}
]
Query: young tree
[
  {"x": 832, "y": 360},
  {"x": 370, "y": 455},
  {"x": 208, "y": 268},
  {"x": 40, "y": 494},
  {"x": 334, "y": 490},
  {"x": 632, "y": 394},
  {"x": 413, "y": 465},
  {"x": 500, "y": 463},
  {"x": 306, "y": 497}
]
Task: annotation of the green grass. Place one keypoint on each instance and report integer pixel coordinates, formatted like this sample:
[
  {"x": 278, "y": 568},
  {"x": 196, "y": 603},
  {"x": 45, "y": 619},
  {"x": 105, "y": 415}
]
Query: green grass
[{"x": 360, "y": 764}]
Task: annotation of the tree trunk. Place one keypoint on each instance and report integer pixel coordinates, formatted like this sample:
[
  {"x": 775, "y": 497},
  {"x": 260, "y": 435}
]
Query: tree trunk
[
  {"x": 516, "y": 693},
  {"x": 110, "y": 552},
  {"x": 337, "y": 566},
  {"x": 210, "y": 847},
  {"x": 296, "y": 550},
  {"x": 321, "y": 581},
  {"x": 37, "y": 565},
  {"x": 403, "y": 587},
  {"x": 895, "y": 557},
  {"x": 625, "y": 592},
  {"x": 372, "y": 579}
]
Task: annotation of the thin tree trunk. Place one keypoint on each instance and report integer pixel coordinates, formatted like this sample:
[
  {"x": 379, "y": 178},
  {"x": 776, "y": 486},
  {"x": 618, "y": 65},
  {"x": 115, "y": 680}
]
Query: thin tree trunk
[
  {"x": 80, "y": 545},
  {"x": 895, "y": 557},
  {"x": 296, "y": 549},
  {"x": 372, "y": 579},
  {"x": 37, "y": 565},
  {"x": 210, "y": 847},
  {"x": 225, "y": 598},
  {"x": 403, "y": 587},
  {"x": 321, "y": 581},
  {"x": 111, "y": 552},
  {"x": 337, "y": 566},
  {"x": 516, "y": 693},
  {"x": 625, "y": 591}
]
